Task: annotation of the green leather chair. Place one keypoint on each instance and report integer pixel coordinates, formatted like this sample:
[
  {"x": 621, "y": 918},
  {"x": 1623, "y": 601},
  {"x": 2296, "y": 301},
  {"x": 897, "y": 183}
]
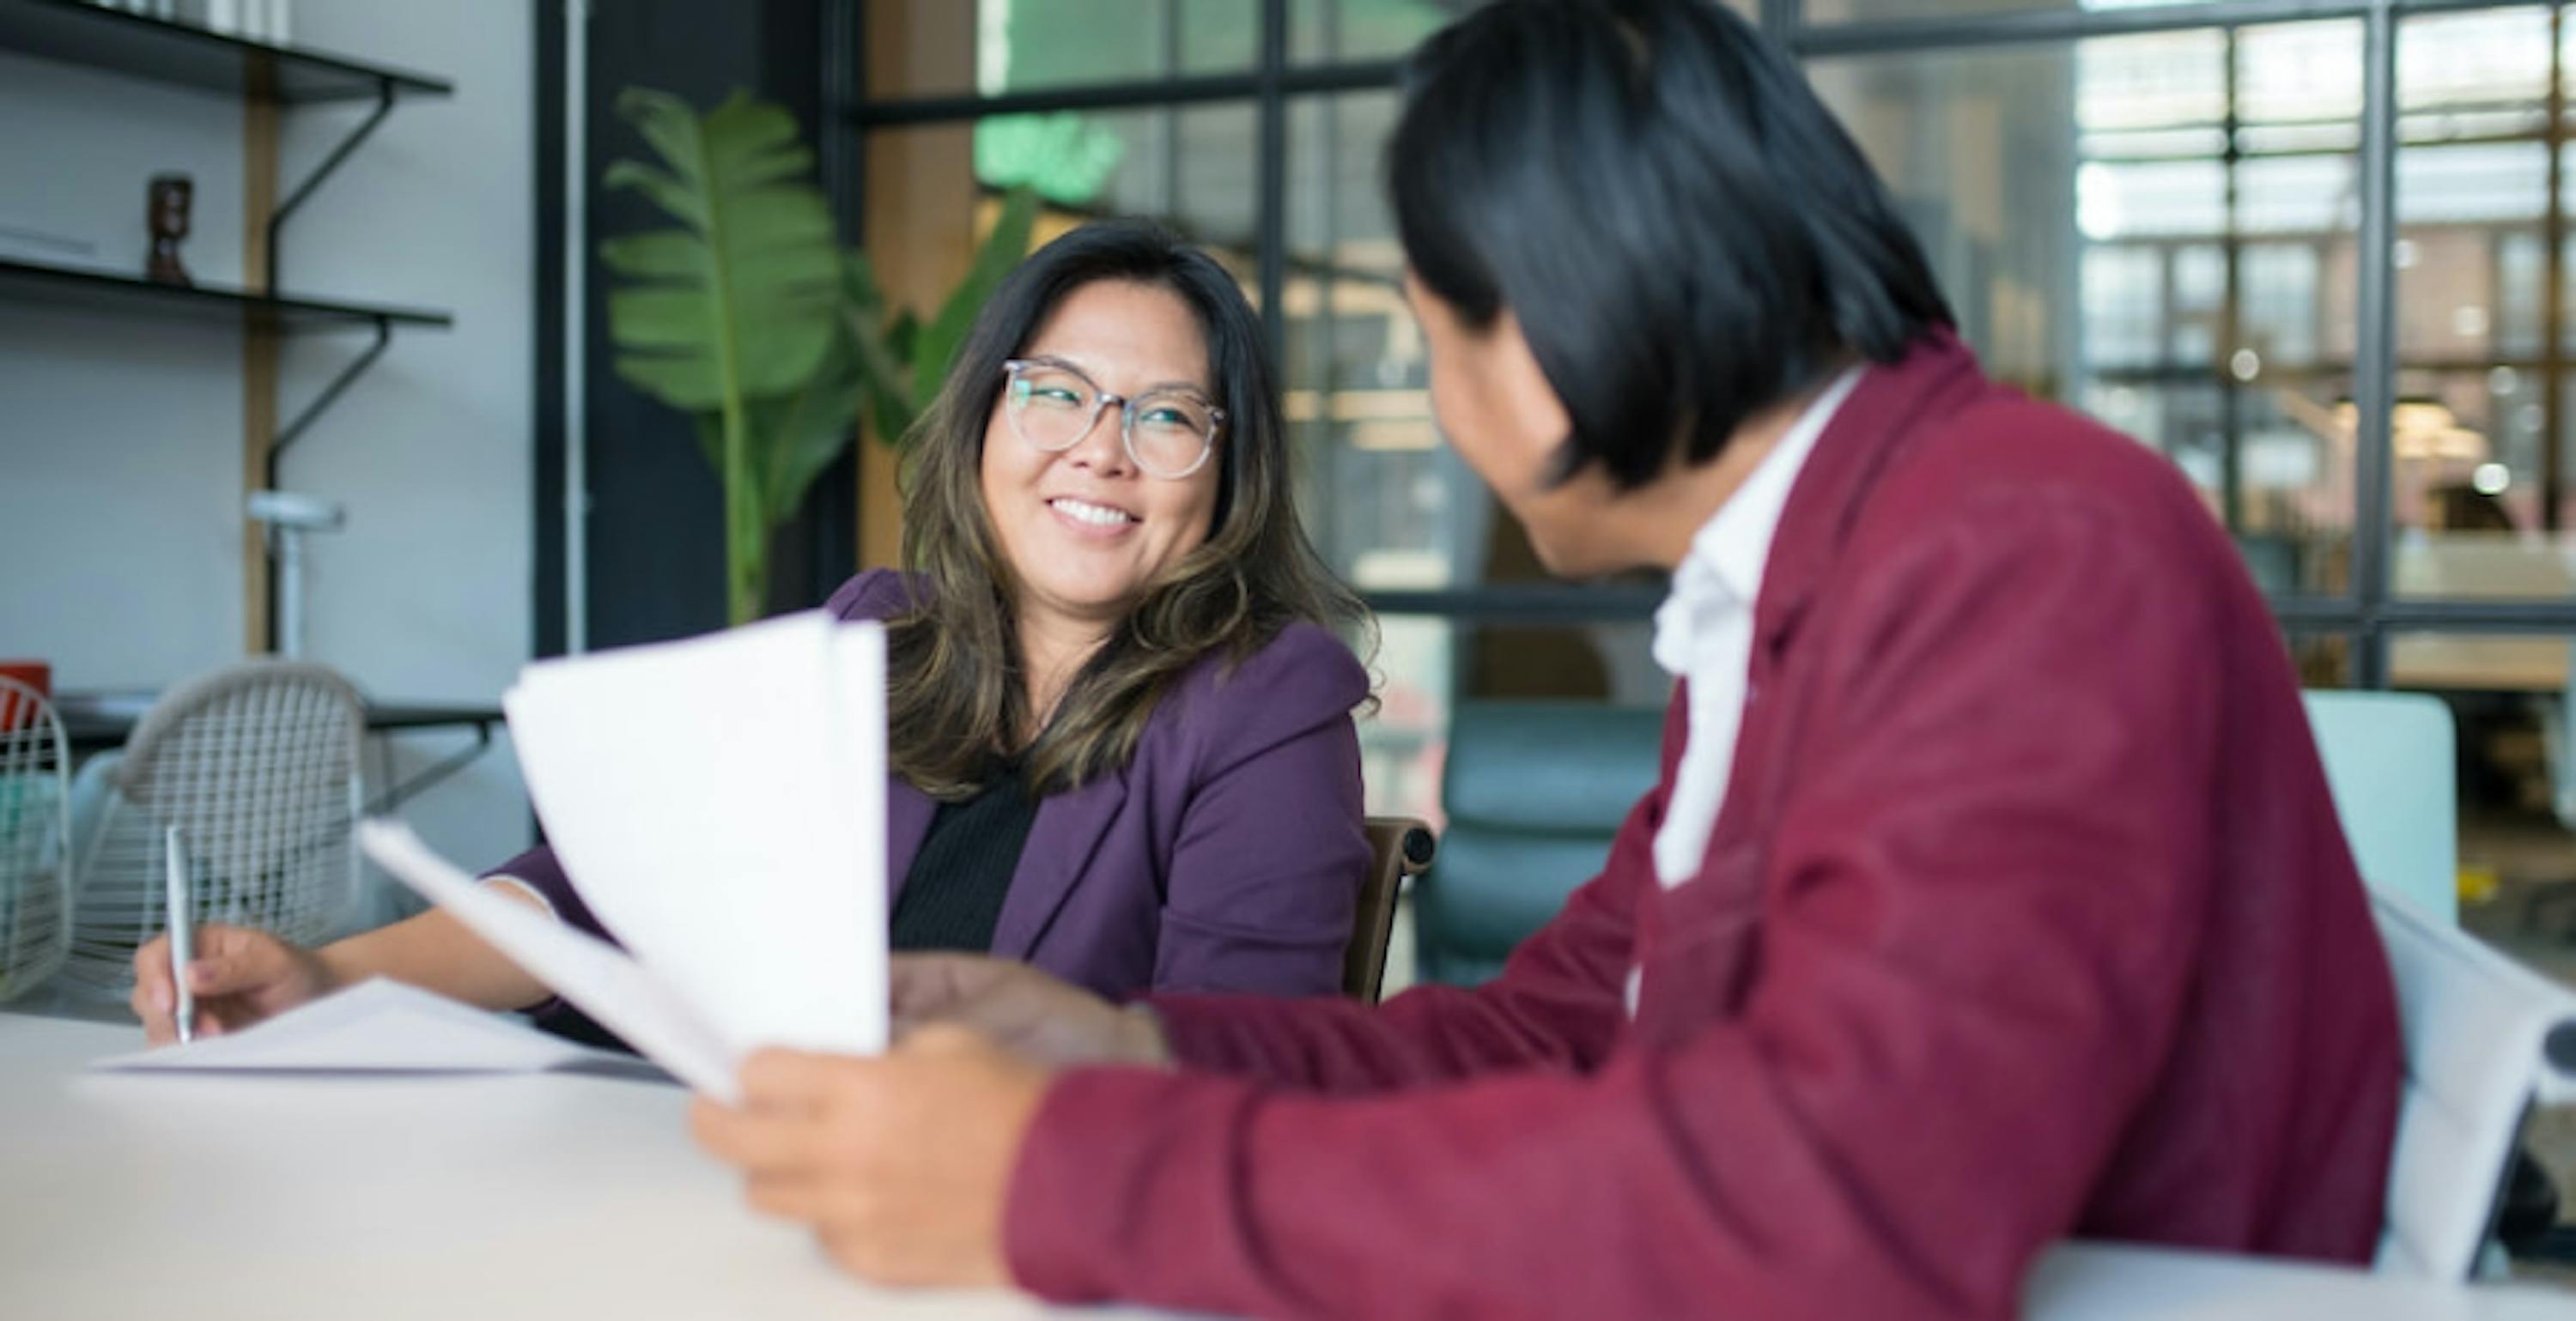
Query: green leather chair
[
  {"x": 1534, "y": 791},
  {"x": 2388, "y": 759}
]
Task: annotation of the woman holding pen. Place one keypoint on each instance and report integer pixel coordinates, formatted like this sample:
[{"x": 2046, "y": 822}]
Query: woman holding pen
[{"x": 1120, "y": 728}]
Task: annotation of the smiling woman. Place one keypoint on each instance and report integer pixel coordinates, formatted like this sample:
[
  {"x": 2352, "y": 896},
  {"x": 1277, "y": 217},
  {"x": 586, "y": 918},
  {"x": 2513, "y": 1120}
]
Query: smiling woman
[
  {"x": 1086, "y": 522},
  {"x": 1105, "y": 474},
  {"x": 1119, "y": 724}
]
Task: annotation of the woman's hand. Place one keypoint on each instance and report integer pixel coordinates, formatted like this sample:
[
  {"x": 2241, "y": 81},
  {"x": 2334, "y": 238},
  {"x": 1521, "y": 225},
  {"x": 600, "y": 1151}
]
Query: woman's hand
[
  {"x": 240, "y": 977},
  {"x": 1026, "y": 1011},
  {"x": 902, "y": 1165}
]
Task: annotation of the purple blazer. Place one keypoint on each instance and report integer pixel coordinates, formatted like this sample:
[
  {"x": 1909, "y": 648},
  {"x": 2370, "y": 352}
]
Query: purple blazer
[{"x": 1227, "y": 856}]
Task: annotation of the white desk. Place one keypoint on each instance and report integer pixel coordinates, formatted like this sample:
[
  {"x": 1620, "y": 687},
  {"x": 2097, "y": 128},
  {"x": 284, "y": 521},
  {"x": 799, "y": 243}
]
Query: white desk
[
  {"x": 491, "y": 1198},
  {"x": 550, "y": 1196},
  {"x": 2096, "y": 1282}
]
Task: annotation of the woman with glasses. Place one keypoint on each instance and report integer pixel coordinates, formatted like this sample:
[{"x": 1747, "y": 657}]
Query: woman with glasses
[{"x": 1120, "y": 732}]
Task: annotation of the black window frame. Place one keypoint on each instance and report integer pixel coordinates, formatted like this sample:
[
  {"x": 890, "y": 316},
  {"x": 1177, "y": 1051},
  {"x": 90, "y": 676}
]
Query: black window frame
[{"x": 2367, "y": 614}]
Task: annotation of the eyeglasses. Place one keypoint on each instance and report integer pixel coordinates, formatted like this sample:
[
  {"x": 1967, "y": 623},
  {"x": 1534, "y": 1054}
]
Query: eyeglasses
[{"x": 1051, "y": 406}]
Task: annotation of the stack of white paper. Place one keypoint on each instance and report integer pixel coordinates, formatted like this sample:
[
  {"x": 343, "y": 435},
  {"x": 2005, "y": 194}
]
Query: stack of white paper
[
  {"x": 720, "y": 802},
  {"x": 377, "y": 1026}
]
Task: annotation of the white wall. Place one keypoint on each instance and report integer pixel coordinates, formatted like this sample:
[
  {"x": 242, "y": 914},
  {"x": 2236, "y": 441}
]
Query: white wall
[
  {"x": 120, "y": 438},
  {"x": 427, "y": 594}
]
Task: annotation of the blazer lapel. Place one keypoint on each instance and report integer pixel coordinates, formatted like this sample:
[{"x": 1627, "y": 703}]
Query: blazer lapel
[
  {"x": 1890, "y": 407},
  {"x": 908, "y": 813},
  {"x": 1067, "y": 832}
]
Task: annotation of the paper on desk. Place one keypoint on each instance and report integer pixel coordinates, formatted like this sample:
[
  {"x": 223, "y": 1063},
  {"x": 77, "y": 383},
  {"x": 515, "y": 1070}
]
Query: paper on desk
[
  {"x": 613, "y": 989},
  {"x": 720, "y": 801},
  {"x": 374, "y": 1026}
]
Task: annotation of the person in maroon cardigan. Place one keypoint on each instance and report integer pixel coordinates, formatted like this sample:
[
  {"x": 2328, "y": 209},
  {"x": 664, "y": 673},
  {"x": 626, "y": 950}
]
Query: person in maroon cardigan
[{"x": 1991, "y": 893}]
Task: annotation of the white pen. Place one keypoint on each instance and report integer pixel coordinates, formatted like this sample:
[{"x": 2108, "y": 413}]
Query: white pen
[{"x": 183, "y": 942}]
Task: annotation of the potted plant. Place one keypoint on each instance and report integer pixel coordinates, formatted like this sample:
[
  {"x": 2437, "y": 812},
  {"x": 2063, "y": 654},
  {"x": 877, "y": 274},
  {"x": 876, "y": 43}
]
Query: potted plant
[{"x": 748, "y": 316}]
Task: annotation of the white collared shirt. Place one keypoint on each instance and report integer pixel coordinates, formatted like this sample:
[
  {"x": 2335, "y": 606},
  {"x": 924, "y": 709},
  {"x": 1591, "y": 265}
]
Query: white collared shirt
[{"x": 1704, "y": 632}]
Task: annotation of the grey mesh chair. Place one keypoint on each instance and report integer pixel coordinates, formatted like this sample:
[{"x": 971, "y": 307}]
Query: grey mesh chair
[
  {"x": 35, "y": 840},
  {"x": 257, "y": 765}
]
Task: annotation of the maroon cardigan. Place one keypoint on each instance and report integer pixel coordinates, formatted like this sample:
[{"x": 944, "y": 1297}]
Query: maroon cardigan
[
  {"x": 1227, "y": 855},
  {"x": 2028, "y": 917}
]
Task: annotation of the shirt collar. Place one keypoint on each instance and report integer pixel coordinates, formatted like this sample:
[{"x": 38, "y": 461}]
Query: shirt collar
[{"x": 1723, "y": 571}]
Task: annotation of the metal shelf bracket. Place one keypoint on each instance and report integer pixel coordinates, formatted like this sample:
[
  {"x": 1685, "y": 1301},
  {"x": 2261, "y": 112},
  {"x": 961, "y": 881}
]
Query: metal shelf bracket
[
  {"x": 311, "y": 412},
  {"x": 339, "y": 154}
]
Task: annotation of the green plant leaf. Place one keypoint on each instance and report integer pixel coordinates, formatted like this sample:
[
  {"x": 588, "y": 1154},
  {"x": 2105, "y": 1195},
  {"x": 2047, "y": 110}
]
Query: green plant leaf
[
  {"x": 886, "y": 394},
  {"x": 734, "y": 316},
  {"x": 671, "y": 380},
  {"x": 902, "y": 334},
  {"x": 1002, "y": 250},
  {"x": 667, "y": 254},
  {"x": 659, "y": 317},
  {"x": 710, "y": 429},
  {"x": 741, "y": 301},
  {"x": 803, "y": 433},
  {"x": 676, "y": 199},
  {"x": 670, "y": 126},
  {"x": 859, "y": 282}
]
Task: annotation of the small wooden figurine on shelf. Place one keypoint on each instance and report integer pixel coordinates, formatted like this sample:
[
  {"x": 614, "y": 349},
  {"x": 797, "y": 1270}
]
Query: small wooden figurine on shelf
[{"x": 168, "y": 218}]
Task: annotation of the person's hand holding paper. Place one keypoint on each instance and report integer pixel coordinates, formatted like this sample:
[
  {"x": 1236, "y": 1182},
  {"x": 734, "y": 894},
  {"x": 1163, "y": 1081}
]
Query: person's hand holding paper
[{"x": 729, "y": 839}]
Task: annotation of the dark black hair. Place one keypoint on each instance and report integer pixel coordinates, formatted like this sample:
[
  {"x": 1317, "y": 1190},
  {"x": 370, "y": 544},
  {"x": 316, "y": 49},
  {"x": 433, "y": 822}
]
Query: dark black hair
[{"x": 1684, "y": 232}]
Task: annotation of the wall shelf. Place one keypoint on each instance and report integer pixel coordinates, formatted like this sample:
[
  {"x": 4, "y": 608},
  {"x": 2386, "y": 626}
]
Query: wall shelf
[
  {"x": 267, "y": 79},
  {"x": 77, "y": 32},
  {"x": 34, "y": 282}
]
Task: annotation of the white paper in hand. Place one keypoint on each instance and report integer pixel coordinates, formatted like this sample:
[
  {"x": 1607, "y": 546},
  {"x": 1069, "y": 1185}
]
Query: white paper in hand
[
  {"x": 720, "y": 801},
  {"x": 624, "y": 997}
]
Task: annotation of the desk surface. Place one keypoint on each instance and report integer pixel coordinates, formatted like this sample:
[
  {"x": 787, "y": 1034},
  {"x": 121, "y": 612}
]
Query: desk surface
[
  {"x": 551, "y": 1196},
  {"x": 214, "y": 1197}
]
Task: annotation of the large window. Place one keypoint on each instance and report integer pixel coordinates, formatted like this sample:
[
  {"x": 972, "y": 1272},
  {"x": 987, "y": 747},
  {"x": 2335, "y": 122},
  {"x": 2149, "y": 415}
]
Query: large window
[
  {"x": 2314, "y": 252},
  {"x": 2318, "y": 256},
  {"x": 1254, "y": 126}
]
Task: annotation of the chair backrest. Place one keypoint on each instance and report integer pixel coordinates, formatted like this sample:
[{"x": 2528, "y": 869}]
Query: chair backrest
[
  {"x": 1534, "y": 793},
  {"x": 35, "y": 839},
  {"x": 2388, "y": 759},
  {"x": 2485, "y": 1038},
  {"x": 258, "y": 766},
  {"x": 1535, "y": 790},
  {"x": 1399, "y": 846}
]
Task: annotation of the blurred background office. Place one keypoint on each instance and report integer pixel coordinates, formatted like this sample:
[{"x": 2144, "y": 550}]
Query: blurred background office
[
  {"x": 2337, "y": 299},
  {"x": 309, "y": 346},
  {"x": 2317, "y": 253}
]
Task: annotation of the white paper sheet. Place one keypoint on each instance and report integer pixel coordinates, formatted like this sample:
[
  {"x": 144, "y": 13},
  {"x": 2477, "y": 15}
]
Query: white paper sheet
[
  {"x": 720, "y": 803},
  {"x": 374, "y": 1026},
  {"x": 613, "y": 989}
]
